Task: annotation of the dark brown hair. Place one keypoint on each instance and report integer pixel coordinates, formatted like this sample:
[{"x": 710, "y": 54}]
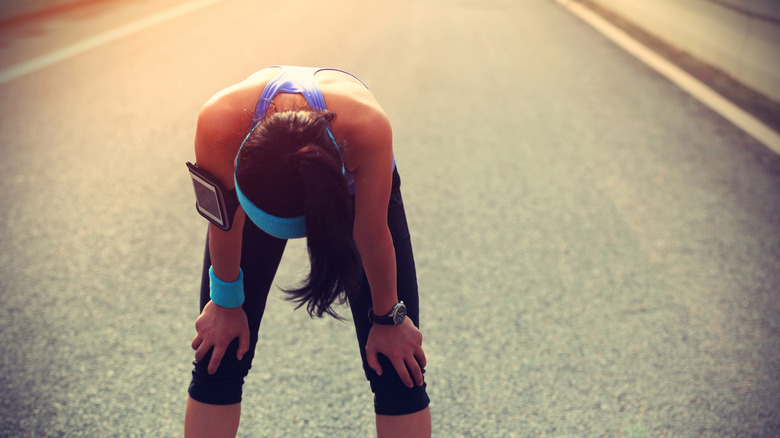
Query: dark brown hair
[{"x": 289, "y": 166}]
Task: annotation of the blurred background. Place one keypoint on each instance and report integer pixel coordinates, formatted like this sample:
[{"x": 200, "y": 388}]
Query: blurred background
[{"x": 598, "y": 251}]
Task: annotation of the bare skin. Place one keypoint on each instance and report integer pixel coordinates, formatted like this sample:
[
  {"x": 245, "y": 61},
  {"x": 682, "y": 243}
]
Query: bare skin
[
  {"x": 222, "y": 125},
  {"x": 222, "y": 421}
]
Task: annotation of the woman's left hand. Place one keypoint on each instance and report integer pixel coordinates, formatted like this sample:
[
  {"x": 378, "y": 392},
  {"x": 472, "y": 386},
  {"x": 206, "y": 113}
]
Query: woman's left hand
[{"x": 402, "y": 344}]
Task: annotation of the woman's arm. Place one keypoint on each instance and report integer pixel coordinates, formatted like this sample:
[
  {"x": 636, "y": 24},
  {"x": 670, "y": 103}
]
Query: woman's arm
[
  {"x": 373, "y": 181},
  {"x": 221, "y": 127},
  {"x": 217, "y": 138},
  {"x": 371, "y": 149}
]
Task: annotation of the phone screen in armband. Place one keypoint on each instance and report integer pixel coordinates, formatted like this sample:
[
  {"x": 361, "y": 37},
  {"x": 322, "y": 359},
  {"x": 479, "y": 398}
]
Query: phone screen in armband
[{"x": 209, "y": 198}]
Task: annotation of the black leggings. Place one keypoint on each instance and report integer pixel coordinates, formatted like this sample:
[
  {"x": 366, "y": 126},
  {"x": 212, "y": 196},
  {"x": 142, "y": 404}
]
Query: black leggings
[{"x": 260, "y": 257}]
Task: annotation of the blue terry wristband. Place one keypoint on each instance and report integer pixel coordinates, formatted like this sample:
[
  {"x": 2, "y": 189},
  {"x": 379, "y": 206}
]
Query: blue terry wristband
[{"x": 226, "y": 294}]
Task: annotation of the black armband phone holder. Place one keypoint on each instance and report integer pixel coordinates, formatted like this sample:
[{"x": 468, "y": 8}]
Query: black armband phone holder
[{"x": 211, "y": 200}]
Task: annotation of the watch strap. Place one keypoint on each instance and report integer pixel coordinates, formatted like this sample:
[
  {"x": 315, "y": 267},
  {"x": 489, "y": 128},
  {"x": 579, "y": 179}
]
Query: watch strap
[
  {"x": 390, "y": 318},
  {"x": 384, "y": 320}
]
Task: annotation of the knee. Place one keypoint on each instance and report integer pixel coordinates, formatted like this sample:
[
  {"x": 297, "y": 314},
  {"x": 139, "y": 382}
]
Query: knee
[
  {"x": 391, "y": 396},
  {"x": 399, "y": 400},
  {"x": 225, "y": 386}
]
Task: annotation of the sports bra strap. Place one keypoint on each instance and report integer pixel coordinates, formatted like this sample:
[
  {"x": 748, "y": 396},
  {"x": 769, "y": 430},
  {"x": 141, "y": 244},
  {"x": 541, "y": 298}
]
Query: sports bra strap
[{"x": 293, "y": 79}]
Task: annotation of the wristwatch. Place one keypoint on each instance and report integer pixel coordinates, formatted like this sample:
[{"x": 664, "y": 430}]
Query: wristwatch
[{"x": 395, "y": 317}]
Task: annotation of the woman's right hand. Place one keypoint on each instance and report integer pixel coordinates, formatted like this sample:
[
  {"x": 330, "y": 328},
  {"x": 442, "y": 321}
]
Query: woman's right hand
[{"x": 217, "y": 327}]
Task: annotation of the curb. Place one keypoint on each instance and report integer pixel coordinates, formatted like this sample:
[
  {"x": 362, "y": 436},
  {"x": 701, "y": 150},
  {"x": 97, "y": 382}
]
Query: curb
[{"x": 752, "y": 112}]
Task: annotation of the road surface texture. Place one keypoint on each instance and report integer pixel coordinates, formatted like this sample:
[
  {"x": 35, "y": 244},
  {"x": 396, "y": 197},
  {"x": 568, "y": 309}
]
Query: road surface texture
[{"x": 598, "y": 253}]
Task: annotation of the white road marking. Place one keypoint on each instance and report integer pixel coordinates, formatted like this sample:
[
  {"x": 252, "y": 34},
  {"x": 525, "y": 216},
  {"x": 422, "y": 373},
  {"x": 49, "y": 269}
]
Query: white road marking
[
  {"x": 697, "y": 89},
  {"x": 101, "y": 39}
]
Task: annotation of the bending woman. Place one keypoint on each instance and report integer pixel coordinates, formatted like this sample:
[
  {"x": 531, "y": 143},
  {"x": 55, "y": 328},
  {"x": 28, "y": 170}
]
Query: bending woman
[{"x": 311, "y": 157}]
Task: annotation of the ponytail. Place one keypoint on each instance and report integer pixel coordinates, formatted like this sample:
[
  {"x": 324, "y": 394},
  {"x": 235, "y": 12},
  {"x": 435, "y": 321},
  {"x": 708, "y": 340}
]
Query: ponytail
[{"x": 332, "y": 253}]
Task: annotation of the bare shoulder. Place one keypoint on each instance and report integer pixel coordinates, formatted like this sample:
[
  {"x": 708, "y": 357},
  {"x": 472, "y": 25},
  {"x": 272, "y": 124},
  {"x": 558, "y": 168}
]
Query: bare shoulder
[
  {"x": 222, "y": 124},
  {"x": 353, "y": 102},
  {"x": 361, "y": 121},
  {"x": 231, "y": 108},
  {"x": 356, "y": 107}
]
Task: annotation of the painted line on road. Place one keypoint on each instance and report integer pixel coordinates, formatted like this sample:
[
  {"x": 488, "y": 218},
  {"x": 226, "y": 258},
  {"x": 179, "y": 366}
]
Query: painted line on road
[
  {"x": 696, "y": 88},
  {"x": 101, "y": 39}
]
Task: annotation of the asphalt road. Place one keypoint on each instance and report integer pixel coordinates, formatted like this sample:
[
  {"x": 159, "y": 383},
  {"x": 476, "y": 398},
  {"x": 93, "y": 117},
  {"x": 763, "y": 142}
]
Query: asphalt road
[{"x": 598, "y": 253}]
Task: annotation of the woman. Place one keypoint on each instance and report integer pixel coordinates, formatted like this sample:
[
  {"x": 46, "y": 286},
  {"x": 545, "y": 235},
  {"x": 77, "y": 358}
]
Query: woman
[{"x": 314, "y": 158}]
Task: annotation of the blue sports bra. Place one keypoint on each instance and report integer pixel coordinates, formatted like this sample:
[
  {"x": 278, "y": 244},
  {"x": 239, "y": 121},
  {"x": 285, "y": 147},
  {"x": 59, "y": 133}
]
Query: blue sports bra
[{"x": 293, "y": 79}]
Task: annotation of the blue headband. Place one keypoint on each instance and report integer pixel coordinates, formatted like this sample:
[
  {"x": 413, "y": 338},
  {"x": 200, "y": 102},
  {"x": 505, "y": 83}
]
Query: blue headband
[{"x": 279, "y": 227}]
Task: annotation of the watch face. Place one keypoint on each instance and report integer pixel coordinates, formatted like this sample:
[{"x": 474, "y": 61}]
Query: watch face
[{"x": 400, "y": 314}]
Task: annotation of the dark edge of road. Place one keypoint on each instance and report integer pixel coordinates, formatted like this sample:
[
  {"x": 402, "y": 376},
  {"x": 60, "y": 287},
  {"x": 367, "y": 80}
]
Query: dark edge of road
[{"x": 758, "y": 105}]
